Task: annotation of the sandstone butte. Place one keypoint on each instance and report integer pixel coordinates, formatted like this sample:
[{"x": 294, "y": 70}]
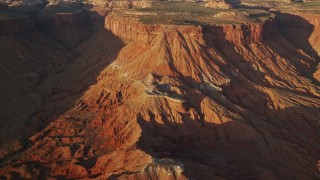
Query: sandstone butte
[{"x": 85, "y": 96}]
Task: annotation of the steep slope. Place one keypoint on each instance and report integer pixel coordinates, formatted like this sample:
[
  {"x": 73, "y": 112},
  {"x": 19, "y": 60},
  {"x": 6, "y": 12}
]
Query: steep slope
[
  {"x": 28, "y": 56},
  {"x": 302, "y": 30},
  {"x": 177, "y": 102},
  {"x": 22, "y": 68}
]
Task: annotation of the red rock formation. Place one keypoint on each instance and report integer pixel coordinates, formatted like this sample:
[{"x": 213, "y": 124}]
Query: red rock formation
[
  {"x": 239, "y": 34},
  {"x": 314, "y": 20},
  {"x": 178, "y": 102},
  {"x": 302, "y": 30}
]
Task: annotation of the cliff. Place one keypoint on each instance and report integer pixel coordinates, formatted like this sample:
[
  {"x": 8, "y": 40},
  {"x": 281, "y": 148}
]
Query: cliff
[
  {"x": 68, "y": 28},
  {"x": 290, "y": 25},
  {"x": 242, "y": 34},
  {"x": 302, "y": 30},
  {"x": 239, "y": 34},
  {"x": 218, "y": 4},
  {"x": 17, "y": 26},
  {"x": 314, "y": 20}
]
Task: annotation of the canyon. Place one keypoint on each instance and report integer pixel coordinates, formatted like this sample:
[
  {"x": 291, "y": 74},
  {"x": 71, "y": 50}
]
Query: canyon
[{"x": 102, "y": 95}]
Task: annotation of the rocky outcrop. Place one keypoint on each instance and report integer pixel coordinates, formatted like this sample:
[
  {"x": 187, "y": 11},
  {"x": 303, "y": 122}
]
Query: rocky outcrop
[
  {"x": 130, "y": 28},
  {"x": 143, "y": 4},
  {"x": 119, "y": 4},
  {"x": 238, "y": 34},
  {"x": 128, "y": 4},
  {"x": 172, "y": 102},
  {"x": 224, "y": 87},
  {"x": 218, "y": 4},
  {"x": 241, "y": 34}
]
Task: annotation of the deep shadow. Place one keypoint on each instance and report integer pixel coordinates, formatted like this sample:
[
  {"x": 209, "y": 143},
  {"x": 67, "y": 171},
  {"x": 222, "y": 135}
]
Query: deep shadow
[
  {"x": 69, "y": 29},
  {"x": 62, "y": 95},
  {"x": 210, "y": 150},
  {"x": 297, "y": 31},
  {"x": 265, "y": 143}
]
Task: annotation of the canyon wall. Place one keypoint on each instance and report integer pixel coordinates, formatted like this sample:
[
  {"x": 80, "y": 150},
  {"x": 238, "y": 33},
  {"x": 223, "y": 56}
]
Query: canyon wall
[
  {"x": 238, "y": 34},
  {"x": 68, "y": 28},
  {"x": 301, "y": 29},
  {"x": 242, "y": 34},
  {"x": 18, "y": 26},
  {"x": 62, "y": 20},
  {"x": 314, "y": 20}
]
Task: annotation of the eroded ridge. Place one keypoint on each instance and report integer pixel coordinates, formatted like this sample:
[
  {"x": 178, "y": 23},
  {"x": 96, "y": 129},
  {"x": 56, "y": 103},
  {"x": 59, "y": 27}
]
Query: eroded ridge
[{"x": 166, "y": 101}]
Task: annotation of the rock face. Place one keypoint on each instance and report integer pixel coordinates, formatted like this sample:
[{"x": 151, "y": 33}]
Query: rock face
[
  {"x": 69, "y": 28},
  {"x": 306, "y": 25},
  {"x": 143, "y": 4},
  {"x": 239, "y": 34},
  {"x": 119, "y": 4},
  {"x": 242, "y": 34},
  {"x": 218, "y": 4},
  {"x": 128, "y": 4},
  {"x": 174, "y": 102},
  {"x": 19, "y": 26}
]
